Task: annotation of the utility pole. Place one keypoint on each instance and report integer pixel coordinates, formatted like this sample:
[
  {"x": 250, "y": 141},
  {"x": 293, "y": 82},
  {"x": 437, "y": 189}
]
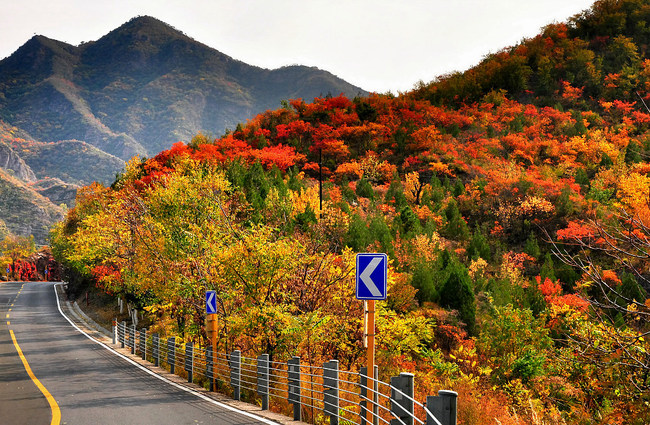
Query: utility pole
[{"x": 320, "y": 183}]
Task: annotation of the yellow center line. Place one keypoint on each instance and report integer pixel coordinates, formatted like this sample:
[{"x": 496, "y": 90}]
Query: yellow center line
[{"x": 56, "y": 412}]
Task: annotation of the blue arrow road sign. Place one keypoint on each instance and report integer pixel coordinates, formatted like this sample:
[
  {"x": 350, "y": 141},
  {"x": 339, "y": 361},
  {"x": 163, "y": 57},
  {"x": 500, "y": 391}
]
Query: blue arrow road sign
[
  {"x": 210, "y": 302},
  {"x": 372, "y": 270}
]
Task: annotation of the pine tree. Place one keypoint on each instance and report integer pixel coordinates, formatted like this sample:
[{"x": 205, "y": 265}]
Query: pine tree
[
  {"x": 358, "y": 236},
  {"x": 457, "y": 292},
  {"x": 632, "y": 153},
  {"x": 478, "y": 246},
  {"x": 456, "y": 227},
  {"x": 379, "y": 231},
  {"x": 548, "y": 268},
  {"x": 532, "y": 247},
  {"x": 364, "y": 189},
  {"x": 408, "y": 223}
]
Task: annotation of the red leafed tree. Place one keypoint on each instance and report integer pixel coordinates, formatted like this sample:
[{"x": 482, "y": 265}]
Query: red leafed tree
[{"x": 280, "y": 156}]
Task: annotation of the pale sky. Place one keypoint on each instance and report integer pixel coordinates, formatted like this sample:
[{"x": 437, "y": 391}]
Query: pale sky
[{"x": 378, "y": 45}]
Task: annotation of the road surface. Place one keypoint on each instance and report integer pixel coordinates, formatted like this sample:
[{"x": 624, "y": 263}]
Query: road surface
[{"x": 84, "y": 381}]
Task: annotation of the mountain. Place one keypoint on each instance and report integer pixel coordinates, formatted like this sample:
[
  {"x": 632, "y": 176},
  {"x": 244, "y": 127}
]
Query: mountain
[
  {"x": 143, "y": 87},
  {"x": 71, "y": 115}
]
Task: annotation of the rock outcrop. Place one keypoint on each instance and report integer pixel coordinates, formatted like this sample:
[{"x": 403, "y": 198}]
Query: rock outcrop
[{"x": 14, "y": 164}]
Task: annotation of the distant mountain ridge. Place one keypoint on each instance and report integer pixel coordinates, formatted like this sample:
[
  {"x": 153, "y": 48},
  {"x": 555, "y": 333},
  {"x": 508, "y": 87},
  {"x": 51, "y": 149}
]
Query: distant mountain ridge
[{"x": 143, "y": 87}]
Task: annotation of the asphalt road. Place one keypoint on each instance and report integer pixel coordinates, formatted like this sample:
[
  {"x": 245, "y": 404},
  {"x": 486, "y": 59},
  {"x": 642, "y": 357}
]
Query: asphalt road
[{"x": 90, "y": 384}]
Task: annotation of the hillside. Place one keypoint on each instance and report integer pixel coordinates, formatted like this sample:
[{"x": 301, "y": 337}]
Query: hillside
[
  {"x": 57, "y": 191},
  {"x": 71, "y": 161},
  {"x": 141, "y": 88},
  {"x": 24, "y": 211},
  {"x": 599, "y": 55}
]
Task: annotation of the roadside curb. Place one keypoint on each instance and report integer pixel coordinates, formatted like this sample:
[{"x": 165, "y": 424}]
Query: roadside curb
[{"x": 90, "y": 321}]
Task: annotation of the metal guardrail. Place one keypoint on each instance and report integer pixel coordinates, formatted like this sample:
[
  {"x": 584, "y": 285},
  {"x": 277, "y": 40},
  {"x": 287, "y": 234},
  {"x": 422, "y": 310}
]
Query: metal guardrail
[{"x": 311, "y": 392}]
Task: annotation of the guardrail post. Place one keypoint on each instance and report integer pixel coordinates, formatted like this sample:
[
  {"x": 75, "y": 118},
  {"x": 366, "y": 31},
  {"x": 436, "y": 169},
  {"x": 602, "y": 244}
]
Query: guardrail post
[
  {"x": 363, "y": 384},
  {"x": 369, "y": 388},
  {"x": 122, "y": 335},
  {"x": 444, "y": 407},
  {"x": 263, "y": 380},
  {"x": 132, "y": 338},
  {"x": 293, "y": 367},
  {"x": 401, "y": 398},
  {"x": 375, "y": 396},
  {"x": 209, "y": 367},
  {"x": 331, "y": 390},
  {"x": 143, "y": 343},
  {"x": 235, "y": 373},
  {"x": 189, "y": 361},
  {"x": 155, "y": 349},
  {"x": 114, "y": 329},
  {"x": 171, "y": 354}
]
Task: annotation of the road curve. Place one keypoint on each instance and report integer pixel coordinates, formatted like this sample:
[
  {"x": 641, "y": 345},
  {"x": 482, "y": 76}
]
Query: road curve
[{"x": 90, "y": 384}]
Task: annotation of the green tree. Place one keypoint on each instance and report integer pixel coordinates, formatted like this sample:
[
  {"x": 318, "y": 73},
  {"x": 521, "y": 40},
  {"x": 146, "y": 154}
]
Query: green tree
[
  {"x": 548, "y": 268},
  {"x": 532, "y": 247},
  {"x": 582, "y": 178},
  {"x": 423, "y": 279},
  {"x": 408, "y": 223},
  {"x": 395, "y": 193},
  {"x": 358, "y": 236},
  {"x": 364, "y": 189},
  {"x": 456, "y": 292},
  {"x": 379, "y": 231},
  {"x": 478, "y": 246},
  {"x": 632, "y": 153},
  {"x": 456, "y": 227}
]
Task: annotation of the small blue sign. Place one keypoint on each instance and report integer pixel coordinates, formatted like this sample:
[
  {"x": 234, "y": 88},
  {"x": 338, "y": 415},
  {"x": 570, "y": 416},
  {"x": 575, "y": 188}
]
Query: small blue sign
[
  {"x": 210, "y": 302},
  {"x": 372, "y": 276}
]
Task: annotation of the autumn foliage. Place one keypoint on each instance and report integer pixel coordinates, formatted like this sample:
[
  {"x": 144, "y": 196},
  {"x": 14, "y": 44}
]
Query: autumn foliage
[{"x": 512, "y": 201}]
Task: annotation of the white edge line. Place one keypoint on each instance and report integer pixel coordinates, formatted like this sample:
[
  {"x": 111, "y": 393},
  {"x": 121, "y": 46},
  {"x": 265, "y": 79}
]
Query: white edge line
[{"x": 162, "y": 378}]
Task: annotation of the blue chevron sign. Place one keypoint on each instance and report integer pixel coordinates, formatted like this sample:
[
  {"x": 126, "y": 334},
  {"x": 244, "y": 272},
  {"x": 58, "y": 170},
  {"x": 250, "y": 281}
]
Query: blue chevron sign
[
  {"x": 371, "y": 276},
  {"x": 210, "y": 302}
]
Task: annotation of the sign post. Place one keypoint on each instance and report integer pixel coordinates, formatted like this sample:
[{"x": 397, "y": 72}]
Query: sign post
[
  {"x": 212, "y": 328},
  {"x": 371, "y": 285}
]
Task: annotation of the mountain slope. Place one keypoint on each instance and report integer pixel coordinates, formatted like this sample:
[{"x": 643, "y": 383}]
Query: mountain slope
[
  {"x": 24, "y": 211},
  {"x": 69, "y": 161},
  {"x": 141, "y": 88}
]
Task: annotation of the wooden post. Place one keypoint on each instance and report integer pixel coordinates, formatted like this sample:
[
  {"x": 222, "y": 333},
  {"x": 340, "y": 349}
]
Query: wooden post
[{"x": 212, "y": 328}]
